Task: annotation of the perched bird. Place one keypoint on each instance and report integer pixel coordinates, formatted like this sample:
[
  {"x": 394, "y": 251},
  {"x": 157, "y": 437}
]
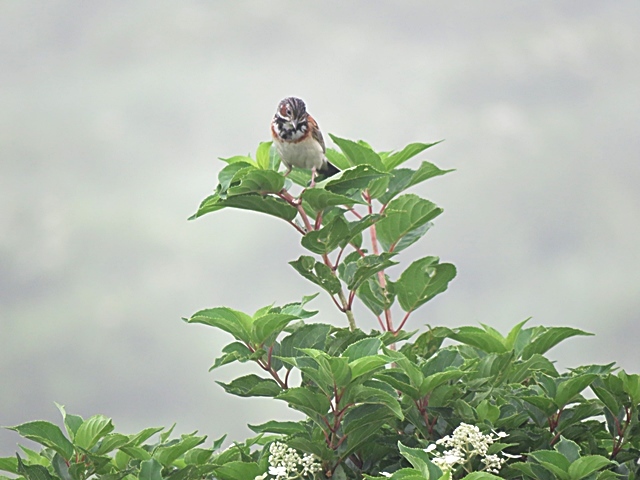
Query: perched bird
[{"x": 298, "y": 139}]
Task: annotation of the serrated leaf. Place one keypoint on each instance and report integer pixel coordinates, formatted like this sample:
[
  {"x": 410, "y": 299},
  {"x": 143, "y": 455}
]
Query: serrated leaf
[
  {"x": 363, "y": 348},
  {"x": 166, "y": 455},
  {"x": 262, "y": 155},
  {"x": 305, "y": 400},
  {"x": 274, "y": 158},
  {"x": 328, "y": 238},
  {"x": 237, "y": 470},
  {"x": 150, "y": 470},
  {"x": 9, "y": 464},
  {"x": 47, "y": 434},
  {"x": 568, "y": 389},
  {"x": 432, "y": 382},
  {"x": 397, "y": 158},
  {"x": 307, "y": 336},
  {"x": 236, "y": 323},
  {"x": 568, "y": 448},
  {"x": 419, "y": 459},
  {"x": 479, "y": 338},
  {"x": 270, "y": 324},
  {"x": 355, "y": 178},
  {"x": 374, "y": 296},
  {"x": 198, "y": 456},
  {"x": 71, "y": 422},
  {"x": 364, "y": 365},
  {"x": 33, "y": 472},
  {"x": 358, "y": 154},
  {"x": 319, "y": 199},
  {"x": 228, "y": 174},
  {"x": 555, "y": 462},
  {"x": 92, "y": 430},
  {"x": 111, "y": 442},
  {"x": 369, "y": 395},
  {"x": 282, "y": 428},
  {"x": 406, "y": 216},
  {"x": 356, "y": 270},
  {"x": 252, "y": 386},
  {"x": 421, "y": 281},
  {"x": 257, "y": 181},
  {"x": 239, "y": 158},
  {"x": 363, "y": 422},
  {"x": 337, "y": 158},
  {"x": 404, "y": 178},
  {"x": 585, "y": 466},
  {"x": 144, "y": 435},
  {"x": 317, "y": 273},
  {"x": 258, "y": 203},
  {"x": 234, "y": 352},
  {"x": 550, "y": 338}
]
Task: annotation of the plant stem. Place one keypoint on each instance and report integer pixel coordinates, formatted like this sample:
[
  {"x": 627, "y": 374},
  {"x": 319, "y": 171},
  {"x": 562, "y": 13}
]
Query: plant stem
[{"x": 347, "y": 311}]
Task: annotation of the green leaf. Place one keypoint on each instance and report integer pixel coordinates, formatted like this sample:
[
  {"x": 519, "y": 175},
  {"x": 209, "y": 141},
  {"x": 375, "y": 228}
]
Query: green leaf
[
  {"x": 608, "y": 399},
  {"x": 307, "y": 336},
  {"x": 419, "y": 459},
  {"x": 585, "y": 466},
  {"x": 143, "y": 436},
  {"x": 479, "y": 338},
  {"x": 239, "y": 158},
  {"x": 198, "y": 456},
  {"x": 358, "y": 154},
  {"x": 550, "y": 338},
  {"x": 234, "y": 352},
  {"x": 410, "y": 151},
  {"x": 369, "y": 395},
  {"x": 270, "y": 324},
  {"x": 252, "y": 386},
  {"x": 258, "y": 181},
  {"x": 355, "y": 178},
  {"x": 430, "y": 383},
  {"x": 404, "y": 221},
  {"x": 404, "y": 178},
  {"x": 47, "y": 434},
  {"x": 263, "y": 204},
  {"x": 319, "y": 199},
  {"x": 71, "y": 422},
  {"x": 317, "y": 273},
  {"x": 33, "y": 472},
  {"x": 263, "y": 156},
  {"x": 111, "y": 442},
  {"x": 166, "y": 455},
  {"x": 237, "y": 470},
  {"x": 228, "y": 176},
  {"x": 374, "y": 296},
  {"x": 364, "y": 365},
  {"x": 481, "y": 476},
  {"x": 555, "y": 462},
  {"x": 355, "y": 270},
  {"x": 568, "y": 389},
  {"x": 92, "y": 430},
  {"x": 631, "y": 385},
  {"x": 60, "y": 467},
  {"x": 282, "y": 428},
  {"x": 328, "y": 238},
  {"x": 236, "y": 323},
  {"x": 487, "y": 412},
  {"x": 364, "y": 422},
  {"x": 363, "y": 348},
  {"x": 568, "y": 448},
  {"x": 150, "y": 470},
  {"x": 305, "y": 400},
  {"x": 421, "y": 281},
  {"x": 9, "y": 464},
  {"x": 138, "y": 453}
]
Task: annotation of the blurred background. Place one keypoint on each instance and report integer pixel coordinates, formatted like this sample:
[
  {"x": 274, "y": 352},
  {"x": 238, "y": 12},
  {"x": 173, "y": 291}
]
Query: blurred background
[{"x": 113, "y": 114}]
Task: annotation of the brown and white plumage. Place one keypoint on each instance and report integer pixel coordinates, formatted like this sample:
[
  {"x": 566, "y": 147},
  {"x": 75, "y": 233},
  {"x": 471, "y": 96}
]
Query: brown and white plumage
[{"x": 298, "y": 139}]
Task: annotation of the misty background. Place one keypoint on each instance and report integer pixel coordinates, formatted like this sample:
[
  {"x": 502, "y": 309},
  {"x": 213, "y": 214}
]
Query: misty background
[{"x": 113, "y": 114}]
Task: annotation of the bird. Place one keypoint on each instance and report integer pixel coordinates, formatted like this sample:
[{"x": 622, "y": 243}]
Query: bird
[{"x": 298, "y": 139}]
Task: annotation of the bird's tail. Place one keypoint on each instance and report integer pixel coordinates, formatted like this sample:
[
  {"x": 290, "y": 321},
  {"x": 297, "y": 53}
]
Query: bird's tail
[{"x": 327, "y": 170}]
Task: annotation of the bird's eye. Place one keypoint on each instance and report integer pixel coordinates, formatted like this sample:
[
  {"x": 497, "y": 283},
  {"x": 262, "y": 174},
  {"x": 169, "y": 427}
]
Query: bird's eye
[{"x": 288, "y": 111}]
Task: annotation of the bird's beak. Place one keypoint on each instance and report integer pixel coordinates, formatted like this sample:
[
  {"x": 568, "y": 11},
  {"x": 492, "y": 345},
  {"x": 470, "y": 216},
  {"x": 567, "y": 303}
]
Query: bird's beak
[{"x": 294, "y": 123}]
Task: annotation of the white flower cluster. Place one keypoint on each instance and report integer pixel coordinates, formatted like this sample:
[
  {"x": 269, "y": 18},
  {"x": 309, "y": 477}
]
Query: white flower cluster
[
  {"x": 467, "y": 442},
  {"x": 286, "y": 464}
]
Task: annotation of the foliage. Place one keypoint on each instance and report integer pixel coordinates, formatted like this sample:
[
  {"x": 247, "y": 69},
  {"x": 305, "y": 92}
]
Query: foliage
[{"x": 448, "y": 403}]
